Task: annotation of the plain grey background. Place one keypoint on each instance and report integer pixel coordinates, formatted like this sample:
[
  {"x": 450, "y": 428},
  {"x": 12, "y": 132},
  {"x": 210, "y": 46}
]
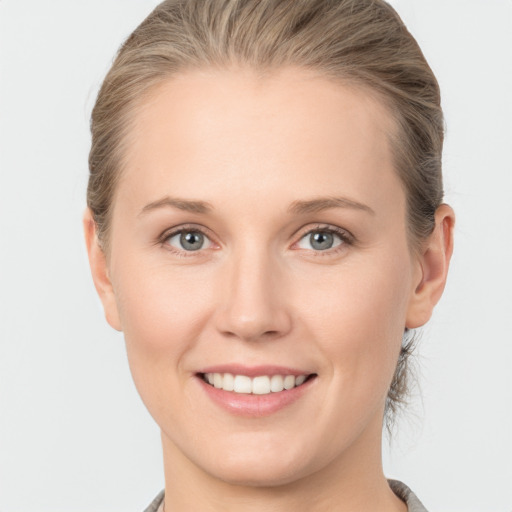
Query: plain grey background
[{"x": 73, "y": 433}]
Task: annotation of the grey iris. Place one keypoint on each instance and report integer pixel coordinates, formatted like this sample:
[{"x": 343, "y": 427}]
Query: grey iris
[
  {"x": 191, "y": 240},
  {"x": 321, "y": 240}
]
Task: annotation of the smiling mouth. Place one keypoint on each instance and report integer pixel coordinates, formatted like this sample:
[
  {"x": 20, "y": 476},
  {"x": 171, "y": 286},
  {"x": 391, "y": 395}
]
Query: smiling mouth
[{"x": 260, "y": 385}]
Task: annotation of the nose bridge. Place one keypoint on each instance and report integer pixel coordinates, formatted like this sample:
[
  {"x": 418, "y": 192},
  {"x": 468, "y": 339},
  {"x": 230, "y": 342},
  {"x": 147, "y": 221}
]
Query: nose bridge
[{"x": 254, "y": 304}]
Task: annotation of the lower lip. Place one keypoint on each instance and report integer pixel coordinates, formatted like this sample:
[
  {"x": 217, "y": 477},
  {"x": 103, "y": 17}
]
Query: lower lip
[{"x": 251, "y": 405}]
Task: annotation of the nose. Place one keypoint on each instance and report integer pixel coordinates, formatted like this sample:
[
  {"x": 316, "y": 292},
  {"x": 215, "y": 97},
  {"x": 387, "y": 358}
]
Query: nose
[{"x": 255, "y": 302}]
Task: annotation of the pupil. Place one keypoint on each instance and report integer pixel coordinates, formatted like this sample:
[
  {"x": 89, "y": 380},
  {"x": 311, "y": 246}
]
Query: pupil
[
  {"x": 191, "y": 241},
  {"x": 321, "y": 241}
]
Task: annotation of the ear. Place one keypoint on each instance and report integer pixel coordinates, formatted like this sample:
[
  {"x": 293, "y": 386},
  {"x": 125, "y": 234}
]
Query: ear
[
  {"x": 99, "y": 271},
  {"x": 434, "y": 260}
]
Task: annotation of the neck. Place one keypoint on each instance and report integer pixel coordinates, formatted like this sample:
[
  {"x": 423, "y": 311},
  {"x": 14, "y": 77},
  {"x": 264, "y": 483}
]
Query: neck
[{"x": 352, "y": 482}]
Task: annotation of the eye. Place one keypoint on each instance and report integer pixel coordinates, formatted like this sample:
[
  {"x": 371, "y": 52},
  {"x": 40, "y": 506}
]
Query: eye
[
  {"x": 323, "y": 239},
  {"x": 188, "y": 240}
]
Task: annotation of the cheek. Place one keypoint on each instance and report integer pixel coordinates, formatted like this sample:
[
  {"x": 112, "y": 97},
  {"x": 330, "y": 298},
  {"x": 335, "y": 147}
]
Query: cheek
[
  {"x": 357, "y": 316},
  {"x": 154, "y": 314},
  {"x": 161, "y": 320}
]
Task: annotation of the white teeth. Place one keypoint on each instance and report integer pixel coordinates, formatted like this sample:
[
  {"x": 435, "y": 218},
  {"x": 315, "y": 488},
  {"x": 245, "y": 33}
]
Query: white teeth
[
  {"x": 289, "y": 382},
  {"x": 261, "y": 385},
  {"x": 228, "y": 382},
  {"x": 217, "y": 380},
  {"x": 276, "y": 383},
  {"x": 243, "y": 384},
  {"x": 300, "y": 380}
]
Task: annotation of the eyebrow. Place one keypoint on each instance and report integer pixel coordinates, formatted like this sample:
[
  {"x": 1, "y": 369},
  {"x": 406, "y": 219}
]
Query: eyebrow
[
  {"x": 181, "y": 204},
  {"x": 326, "y": 203},
  {"x": 299, "y": 207}
]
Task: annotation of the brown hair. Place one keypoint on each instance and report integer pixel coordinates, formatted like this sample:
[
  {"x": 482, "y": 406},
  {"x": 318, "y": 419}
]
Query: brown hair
[{"x": 363, "y": 42}]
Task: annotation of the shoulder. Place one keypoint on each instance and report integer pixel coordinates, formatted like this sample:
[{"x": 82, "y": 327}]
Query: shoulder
[
  {"x": 406, "y": 495},
  {"x": 155, "y": 504}
]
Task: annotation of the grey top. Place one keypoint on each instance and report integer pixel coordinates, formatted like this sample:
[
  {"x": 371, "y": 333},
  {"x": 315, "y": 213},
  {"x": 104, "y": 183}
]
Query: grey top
[
  {"x": 406, "y": 495},
  {"x": 400, "y": 489},
  {"x": 155, "y": 504}
]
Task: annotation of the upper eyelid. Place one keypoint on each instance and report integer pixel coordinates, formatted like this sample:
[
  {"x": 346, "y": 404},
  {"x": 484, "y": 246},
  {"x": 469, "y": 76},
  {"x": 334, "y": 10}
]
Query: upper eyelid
[
  {"x": 184, "y": 227},
  {"x": 341, "y": 232}
]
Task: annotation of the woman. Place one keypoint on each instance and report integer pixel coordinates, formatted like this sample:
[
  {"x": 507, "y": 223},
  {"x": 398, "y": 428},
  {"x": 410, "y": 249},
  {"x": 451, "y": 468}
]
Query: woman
[{"x": 265, "y": 224}]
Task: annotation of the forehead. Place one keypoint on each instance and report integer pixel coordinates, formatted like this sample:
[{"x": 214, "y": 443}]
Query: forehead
[{"x": 288, "y": 132}]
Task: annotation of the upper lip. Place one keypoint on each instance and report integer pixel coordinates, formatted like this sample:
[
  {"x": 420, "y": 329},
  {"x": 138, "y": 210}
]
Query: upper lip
[{"x": 254, "y": 371}]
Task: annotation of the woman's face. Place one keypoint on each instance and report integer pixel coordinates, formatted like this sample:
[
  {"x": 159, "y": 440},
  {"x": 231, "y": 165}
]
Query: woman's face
[{"x": 259, "y": 231}]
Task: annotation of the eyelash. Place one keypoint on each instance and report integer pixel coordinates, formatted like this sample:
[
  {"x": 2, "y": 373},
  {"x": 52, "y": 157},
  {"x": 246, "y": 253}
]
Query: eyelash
[{"x": 345, "y": 237}]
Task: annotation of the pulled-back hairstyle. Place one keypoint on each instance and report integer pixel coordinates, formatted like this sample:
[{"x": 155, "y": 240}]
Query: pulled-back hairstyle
[{"x": 361, "y": 42}]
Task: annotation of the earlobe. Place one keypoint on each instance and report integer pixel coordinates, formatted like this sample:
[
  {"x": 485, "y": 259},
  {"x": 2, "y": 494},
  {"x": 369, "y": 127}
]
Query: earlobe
[
  {"x": 434, "y": 261},
  {"x": 99, "y": 271}
]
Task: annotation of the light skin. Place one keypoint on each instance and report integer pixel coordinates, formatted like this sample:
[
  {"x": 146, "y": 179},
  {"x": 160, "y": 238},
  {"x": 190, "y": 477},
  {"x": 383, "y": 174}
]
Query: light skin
[{"x": 257, "y": 165}]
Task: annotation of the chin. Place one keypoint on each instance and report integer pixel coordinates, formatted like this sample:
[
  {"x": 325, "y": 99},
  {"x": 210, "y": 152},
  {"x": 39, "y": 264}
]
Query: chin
[
  {"x": 251, "y": 474},
  {"x": 269, "y": 467}
]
